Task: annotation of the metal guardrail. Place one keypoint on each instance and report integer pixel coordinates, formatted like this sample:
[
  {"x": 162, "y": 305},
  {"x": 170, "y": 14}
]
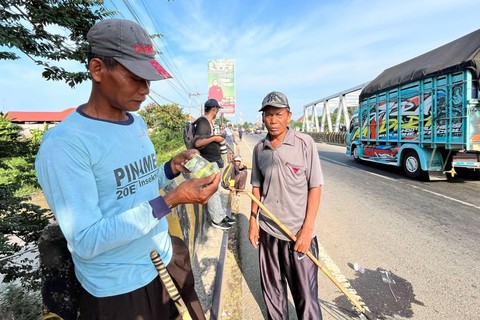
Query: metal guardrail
[{"x": 329, "y": 137}]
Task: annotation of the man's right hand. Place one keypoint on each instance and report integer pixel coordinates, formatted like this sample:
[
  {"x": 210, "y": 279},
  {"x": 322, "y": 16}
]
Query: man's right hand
[
  {"x": 219, "y": 138},
  {"x": 253, "y": 232},
  {"x": 193, "y": 191}
]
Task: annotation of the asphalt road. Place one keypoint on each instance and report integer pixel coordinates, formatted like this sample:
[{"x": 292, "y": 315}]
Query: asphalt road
[{"x": 417, "y": 242}]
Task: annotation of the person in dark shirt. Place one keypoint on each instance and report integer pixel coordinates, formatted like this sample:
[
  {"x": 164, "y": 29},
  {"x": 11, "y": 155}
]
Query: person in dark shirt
[{"x": 208, "y": 144}]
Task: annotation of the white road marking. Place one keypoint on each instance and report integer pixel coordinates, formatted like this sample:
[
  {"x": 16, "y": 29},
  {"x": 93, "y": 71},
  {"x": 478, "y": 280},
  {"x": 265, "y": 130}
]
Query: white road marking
[
  {"x": 410, "y": 185},
  {"x": 445, "y": 197}
]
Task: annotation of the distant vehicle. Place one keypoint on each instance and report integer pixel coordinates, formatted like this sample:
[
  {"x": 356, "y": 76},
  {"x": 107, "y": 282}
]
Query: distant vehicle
[
  {"x": 423, "y": 114},
  {"x": 258, "y": 131}
]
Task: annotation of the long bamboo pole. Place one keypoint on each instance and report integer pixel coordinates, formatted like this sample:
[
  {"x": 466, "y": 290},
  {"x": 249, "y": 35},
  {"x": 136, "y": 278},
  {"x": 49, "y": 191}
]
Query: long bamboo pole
[
  {"x": 170, "y": 286},
  {"x": 311, "y": 256}
]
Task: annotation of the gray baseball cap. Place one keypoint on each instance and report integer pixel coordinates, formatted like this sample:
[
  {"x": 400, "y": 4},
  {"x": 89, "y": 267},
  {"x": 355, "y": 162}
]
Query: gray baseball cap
[
  {"x": 128, "y": 43},
  {"x": 275, "y": 99}
]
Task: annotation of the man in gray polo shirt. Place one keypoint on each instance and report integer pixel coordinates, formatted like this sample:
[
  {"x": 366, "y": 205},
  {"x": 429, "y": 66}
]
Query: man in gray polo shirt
[{"x": 287, "y": 178}]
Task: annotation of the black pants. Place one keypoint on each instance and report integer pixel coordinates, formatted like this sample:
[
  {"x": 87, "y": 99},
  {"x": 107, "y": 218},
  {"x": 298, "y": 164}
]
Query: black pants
[
  {"x": 279, "y": 264},
  {"x": 152, "y": 301}
]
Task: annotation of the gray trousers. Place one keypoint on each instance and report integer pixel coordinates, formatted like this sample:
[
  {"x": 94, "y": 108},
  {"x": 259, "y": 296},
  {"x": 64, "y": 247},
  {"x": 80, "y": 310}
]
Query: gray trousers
[
  {"x": 280, "y": 265},
  {"x": 216, "y": 206}
]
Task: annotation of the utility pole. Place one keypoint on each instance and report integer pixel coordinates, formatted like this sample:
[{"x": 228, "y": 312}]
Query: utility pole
[{"x": 190, "y": 95}]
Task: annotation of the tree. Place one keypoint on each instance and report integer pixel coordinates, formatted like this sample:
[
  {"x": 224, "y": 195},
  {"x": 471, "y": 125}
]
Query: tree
[
  {"x": 247, "y": 125},
  {"x": 19, "y": 219},
  {"x": 26, "y": 25},
  {"x": 166, "y": 123}
]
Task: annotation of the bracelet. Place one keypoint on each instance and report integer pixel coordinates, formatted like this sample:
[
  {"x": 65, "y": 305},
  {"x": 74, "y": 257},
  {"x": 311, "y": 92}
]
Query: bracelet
[{"x": 253, "y": 214}]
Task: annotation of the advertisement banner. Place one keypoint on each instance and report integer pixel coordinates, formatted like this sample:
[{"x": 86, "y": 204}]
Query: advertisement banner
[{"x": 221, "y": 84}]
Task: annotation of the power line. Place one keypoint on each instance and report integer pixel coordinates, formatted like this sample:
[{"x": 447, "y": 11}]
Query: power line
[
  {"x": 180, "y": 88},
  {"x": 165, "y": 60},
  {"x": 172, "y": 66}
]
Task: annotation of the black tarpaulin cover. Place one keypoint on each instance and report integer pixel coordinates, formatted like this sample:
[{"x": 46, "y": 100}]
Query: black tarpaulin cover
[{"x": 457, "y": 55}]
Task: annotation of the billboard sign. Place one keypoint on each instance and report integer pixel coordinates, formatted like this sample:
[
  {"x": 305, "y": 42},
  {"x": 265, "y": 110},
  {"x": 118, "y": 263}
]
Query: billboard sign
[{"x": 221, "y": 84}]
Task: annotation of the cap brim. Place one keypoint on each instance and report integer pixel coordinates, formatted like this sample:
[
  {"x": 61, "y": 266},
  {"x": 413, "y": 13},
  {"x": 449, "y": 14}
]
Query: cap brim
[
  {"x": 275, "y": 105},
  {"x": 146, "y": 69}
]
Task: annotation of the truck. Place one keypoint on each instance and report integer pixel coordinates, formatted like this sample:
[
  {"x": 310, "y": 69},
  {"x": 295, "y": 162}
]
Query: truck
[{"x": 423, "y": 114}]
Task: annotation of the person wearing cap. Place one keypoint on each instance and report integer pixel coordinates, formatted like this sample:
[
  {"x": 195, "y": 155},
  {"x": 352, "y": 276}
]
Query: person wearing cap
[
  {"x": 98, "y": 170},
  {"x": 239, "y": 173},
  {"x": 287, "y": 178},
  {"x": 208, "y": 144}
]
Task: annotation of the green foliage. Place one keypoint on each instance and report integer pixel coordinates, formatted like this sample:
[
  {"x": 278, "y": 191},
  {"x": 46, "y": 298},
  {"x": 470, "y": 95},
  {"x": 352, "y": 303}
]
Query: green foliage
[
  {"x": 27, "y": 25},
  {"x": 19, "y": 304},
  {"x": 166, "y": 124},
  {"x": 17, "y": 156},
  {"x": 19, "y": 220},
  {"x": 37, "y": 134},
  {"x": 247, "y": 125},
  {"x": 168, "y": 116},
  {"x": 10, "y": 143},
  {"x": 296, "y": 124}
]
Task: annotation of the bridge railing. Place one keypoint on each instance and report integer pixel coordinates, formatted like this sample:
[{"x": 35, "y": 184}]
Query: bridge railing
[{"x": 329, "y": 137}]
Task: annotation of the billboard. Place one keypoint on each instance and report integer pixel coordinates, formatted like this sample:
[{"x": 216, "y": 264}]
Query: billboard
[{"x": 221, "y": 84}]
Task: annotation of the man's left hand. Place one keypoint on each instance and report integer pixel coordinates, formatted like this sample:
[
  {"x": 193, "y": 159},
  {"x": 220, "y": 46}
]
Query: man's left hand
[{"x": 304, "y": 238}]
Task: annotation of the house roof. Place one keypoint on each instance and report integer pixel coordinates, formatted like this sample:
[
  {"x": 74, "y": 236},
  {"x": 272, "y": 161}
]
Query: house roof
[{"x": 34, "y": 116}]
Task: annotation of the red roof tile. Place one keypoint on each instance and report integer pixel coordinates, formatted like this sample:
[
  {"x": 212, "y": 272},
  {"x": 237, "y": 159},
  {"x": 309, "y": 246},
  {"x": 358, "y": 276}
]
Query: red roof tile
[{"x": 32, "y": 116}]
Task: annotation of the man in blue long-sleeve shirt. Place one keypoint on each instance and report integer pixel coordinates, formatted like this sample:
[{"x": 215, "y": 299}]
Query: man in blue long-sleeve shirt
[{"x": 98, "y": 170}]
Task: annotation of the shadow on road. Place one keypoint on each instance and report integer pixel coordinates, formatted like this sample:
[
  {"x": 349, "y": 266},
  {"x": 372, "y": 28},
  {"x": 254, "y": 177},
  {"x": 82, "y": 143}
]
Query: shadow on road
[{"x": 383, "y": 292}]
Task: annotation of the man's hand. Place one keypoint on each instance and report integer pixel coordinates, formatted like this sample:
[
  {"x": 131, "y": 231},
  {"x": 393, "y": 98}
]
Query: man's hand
[
  {"x": 304, "y": 238},
  {"x": 218, "y": 138},
  {"x": 253, "y": 234},
  {"x": 193, "y": 191},
  {"x": 178, "y": 162}
]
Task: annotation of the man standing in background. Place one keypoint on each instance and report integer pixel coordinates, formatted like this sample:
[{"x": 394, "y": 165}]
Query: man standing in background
[
  {"x": 230, "y": 140},
  {"x": 208, "y": 144}
]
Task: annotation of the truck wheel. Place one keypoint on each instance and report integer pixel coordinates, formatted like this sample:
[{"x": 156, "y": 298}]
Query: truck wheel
[
  {"x": 411, "y": 165},
  {"x": 356, "y": 157}
]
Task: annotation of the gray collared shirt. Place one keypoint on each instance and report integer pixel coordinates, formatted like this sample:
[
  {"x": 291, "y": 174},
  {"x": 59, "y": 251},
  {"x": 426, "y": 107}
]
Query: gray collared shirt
[{"x": 284, "y": 176}]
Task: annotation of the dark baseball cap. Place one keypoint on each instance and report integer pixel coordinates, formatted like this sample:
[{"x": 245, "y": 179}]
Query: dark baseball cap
[
  {"x": 275, "y": 99},
  {"x": 212, "y": 103},
  {"x": 129, "y": 44}
]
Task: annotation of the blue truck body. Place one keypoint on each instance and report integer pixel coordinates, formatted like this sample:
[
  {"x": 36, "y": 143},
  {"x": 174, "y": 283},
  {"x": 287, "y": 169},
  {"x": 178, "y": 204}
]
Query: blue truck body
[{"x": 424, "y": 114}]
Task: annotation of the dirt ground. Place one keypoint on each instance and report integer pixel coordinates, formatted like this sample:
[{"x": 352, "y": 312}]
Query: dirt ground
[{"x": 39, "y": 199}]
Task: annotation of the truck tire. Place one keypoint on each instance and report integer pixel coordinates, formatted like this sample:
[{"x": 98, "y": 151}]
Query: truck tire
[
  {"x": 356, "y": 157},
  {"x": 411, "y": 165}
]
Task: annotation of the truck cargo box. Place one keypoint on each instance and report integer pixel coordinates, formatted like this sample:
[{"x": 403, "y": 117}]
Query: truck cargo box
[{"x": 423, "y": 114}]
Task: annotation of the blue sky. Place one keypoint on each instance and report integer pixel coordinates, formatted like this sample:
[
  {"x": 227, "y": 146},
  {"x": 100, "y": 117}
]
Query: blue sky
[{"x": 305, "y": 49}]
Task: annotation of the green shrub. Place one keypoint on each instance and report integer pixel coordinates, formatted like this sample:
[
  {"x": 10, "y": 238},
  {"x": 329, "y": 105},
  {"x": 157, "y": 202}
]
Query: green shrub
[{"x": 20, "y": 304}]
